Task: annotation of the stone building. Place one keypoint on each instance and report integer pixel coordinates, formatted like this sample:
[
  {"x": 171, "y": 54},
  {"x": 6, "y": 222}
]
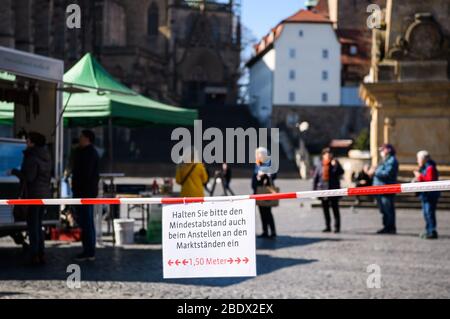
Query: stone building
[
  {"x": 408, "y": 91},
  {"x": 349, "y": 19},
  {"x": 347, "y": 117},
  {"x": 184, "y": 52}
]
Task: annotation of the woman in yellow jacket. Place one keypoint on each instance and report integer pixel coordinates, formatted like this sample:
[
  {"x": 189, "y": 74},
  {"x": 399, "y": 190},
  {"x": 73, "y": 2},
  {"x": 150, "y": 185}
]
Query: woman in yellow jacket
[{"x": 191, "y": 177}]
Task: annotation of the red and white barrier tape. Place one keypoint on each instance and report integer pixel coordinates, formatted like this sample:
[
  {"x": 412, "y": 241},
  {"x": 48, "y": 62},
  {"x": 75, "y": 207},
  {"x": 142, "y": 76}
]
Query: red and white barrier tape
[{"x": 371, "y": 190}]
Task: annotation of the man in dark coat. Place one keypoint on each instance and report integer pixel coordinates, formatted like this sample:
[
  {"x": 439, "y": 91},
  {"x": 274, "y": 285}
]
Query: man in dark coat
[
  {"x": 384, "y": 174},
  {"x": 35, "y": 175},
  {"x": 85, "y": 178},
  {"x": 328, "y": 176}
]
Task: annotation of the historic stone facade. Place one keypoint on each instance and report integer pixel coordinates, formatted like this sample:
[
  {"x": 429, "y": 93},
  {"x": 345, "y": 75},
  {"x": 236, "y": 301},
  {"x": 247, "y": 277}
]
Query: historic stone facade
[
  {"x": 350, "y": 18},
  {"x": 179, "y": 51},
  {"x": 409, "y": 95}
]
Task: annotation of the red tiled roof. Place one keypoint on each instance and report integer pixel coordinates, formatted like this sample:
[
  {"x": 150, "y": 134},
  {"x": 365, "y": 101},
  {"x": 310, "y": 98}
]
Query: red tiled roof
[
  {"x": 347, "y": 59},
  {"x": 307, "y": 16},
  {"x": 347, "y": 40},
  {"x": 302, "y": 16},
  {"x": 363, "y": 40}
]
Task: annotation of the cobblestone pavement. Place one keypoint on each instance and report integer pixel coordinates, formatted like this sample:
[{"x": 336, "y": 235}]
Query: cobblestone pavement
[{"x": 301, "y": 263}]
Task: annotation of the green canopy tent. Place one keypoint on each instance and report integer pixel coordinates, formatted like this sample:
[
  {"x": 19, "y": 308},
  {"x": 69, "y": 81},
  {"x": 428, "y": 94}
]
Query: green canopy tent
[
  {"x": 108, "y": 100},
  {"x": 93, "y": 98},
  {"x": 104, "y": 100},
  {"x": 6, "y": 109}
]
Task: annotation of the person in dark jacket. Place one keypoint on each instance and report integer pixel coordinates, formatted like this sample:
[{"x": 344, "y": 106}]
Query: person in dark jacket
[
  {"x": 35, "y": 175},
  {"x": 222, "y": 175},
  {"x": 85, "y": 178},
  {"x": 328, "y": 176},
  {"x": 362, "y": 179},
  {"x": 226, "y": 178},
  {"x": 428, "y": 172},
  {"x": 386, "y": 173},
  {"x": 262, "y": 177}
]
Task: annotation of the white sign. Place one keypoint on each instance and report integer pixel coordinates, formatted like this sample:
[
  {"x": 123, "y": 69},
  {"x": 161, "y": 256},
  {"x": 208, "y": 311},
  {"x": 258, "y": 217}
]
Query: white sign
[
  {"x": 215, "y": 239},
  {"x": 31, "y": 65}
]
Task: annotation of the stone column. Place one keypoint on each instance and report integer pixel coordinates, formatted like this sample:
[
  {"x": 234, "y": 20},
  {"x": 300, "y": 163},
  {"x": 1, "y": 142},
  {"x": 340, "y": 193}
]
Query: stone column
[
  {"x": 409, "y": 93},
  {"x": 412, "y": 116}
]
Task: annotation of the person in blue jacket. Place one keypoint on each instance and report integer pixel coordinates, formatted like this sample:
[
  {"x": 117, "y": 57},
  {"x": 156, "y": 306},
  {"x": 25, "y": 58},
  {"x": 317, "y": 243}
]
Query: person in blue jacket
[{"x": 386, "y": 173}]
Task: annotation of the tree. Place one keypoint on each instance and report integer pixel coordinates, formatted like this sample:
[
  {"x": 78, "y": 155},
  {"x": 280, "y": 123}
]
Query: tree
[{"x": 248, "y": 40}]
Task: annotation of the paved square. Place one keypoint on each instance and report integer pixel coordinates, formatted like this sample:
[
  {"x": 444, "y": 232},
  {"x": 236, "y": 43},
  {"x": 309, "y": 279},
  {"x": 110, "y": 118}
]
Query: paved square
[{"x": 301, "y": 263}]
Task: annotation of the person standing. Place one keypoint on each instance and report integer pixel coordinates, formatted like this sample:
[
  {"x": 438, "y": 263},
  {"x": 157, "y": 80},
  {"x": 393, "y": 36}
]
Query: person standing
[
  {"x": 222, "y": 176},
  {"x": 428, "y": 172},
  {"x": 386, "y": 173},
  {"x": 362, "y": 179},
  {"x": 328, "y": 176},
  {"x": 262, "y": 177},
  {"x": 35, "y": 176},
  {"x": 226, "y": 178},
  {"x": 85, "y": 178},
  {"x": 192, "y": 177}
]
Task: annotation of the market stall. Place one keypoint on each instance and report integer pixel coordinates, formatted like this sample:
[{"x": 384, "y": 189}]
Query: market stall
[
  {"x": 30, "y": 100},
  {"x": 91, "y": 98}
]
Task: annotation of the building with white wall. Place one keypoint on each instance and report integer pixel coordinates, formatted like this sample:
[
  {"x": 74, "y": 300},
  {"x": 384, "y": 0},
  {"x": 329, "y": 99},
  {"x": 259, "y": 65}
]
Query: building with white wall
[{"x": 297, "y": 64}]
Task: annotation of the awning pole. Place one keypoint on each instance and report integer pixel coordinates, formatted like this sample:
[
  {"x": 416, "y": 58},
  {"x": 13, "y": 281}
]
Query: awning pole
[{"x": 110, "y": 146}]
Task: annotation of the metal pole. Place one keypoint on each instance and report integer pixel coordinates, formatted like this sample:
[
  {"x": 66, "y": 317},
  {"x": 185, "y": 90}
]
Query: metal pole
[{"x": 110, "y": 145}]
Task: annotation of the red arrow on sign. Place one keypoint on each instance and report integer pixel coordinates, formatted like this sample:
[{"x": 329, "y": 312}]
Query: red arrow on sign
[
  {"x": 230, "y": 260},
  {"x": 246, "y": 260},
  {"x": 185, "y": 262},
  {"x": 170, "y": 262},
  {"x": 177, "y": 262},
  {"x": 238, "y": 260}
]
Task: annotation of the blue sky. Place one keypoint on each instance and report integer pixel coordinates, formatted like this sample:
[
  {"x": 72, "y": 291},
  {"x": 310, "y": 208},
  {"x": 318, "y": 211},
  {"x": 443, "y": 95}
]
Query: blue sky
[{"x": 261, "y": 15}]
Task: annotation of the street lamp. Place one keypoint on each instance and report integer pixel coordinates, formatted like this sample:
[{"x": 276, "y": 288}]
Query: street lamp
[
  {"x": 303, "y": 126},
  {"x": 302, "y": 155}
]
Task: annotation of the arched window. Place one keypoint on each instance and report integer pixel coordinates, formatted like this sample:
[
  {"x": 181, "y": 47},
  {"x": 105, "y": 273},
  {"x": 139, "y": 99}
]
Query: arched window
[{"x": 153, "y": 20}]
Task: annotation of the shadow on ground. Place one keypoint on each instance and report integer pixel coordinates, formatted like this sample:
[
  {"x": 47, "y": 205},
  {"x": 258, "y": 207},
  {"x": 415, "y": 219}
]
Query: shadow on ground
[
  {"x": 134, "y": 264},
  {"x": 289, "y": 241}
]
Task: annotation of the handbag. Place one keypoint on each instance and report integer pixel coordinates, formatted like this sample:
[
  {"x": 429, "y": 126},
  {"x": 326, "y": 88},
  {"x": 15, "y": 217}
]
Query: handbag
[{"x": 268, "y": 189}]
